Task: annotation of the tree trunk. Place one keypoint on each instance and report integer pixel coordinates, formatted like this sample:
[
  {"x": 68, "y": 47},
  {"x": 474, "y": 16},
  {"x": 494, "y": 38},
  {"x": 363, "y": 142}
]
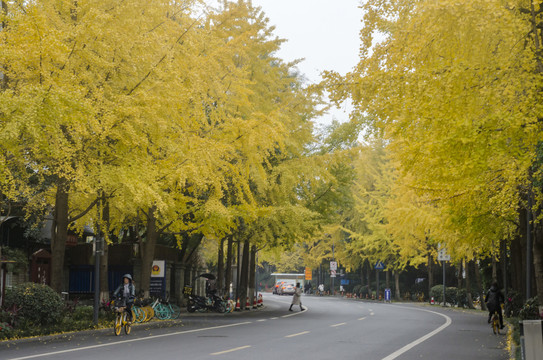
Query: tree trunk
[
  {"x": 467, "y": 266},
  {"x": 148, "y": 253},
  {"x": 538, "y": 262},
  {"x": 244, "y": 279},
  {"x": 368, "y": 277},
  {"x": 228, "y": 277},
  {"x": 479, "y": 285},
  {"x": 252, "y": 275},
  {"x": 387, "y": 279},
  {"x": 397, "y": 294},
  {"x": 516, "y": 265},
  {"x": 59, "y": 235},
  {"x": 494, "y": 269},
  {"x": 430, "y": 275},
  {"x": 104, "y": 283},
  {"x": 220, "y": 267},
  {"x": 459, "y": 275}
]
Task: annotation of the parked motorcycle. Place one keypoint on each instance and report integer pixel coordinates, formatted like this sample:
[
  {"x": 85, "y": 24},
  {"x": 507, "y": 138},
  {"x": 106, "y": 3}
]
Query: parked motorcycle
[{"x": 212, "y": 302}]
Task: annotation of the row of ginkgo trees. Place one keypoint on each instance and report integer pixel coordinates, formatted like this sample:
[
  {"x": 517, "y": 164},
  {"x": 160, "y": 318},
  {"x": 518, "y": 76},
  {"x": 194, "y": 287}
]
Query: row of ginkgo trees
[
  {"x": 167, "y": 117},
  {"x": 453, "y": 89}
]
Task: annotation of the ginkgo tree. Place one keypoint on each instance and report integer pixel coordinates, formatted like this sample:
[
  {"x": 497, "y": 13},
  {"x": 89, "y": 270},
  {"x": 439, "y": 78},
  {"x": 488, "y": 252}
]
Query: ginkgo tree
[{"x": 454, "y": 88}]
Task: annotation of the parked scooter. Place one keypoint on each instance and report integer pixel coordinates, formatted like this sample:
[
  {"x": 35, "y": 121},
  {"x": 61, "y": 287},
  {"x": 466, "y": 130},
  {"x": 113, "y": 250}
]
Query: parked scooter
[{"x": 212, "y": 302}]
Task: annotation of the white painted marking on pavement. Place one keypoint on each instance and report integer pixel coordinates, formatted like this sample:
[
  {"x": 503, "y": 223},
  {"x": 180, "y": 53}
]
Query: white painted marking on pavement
[
  {"x": 274, "y": 318},
  {"x": 371, "y": 314},
  {"x": 231, "y": 350},
  {"x": 362, "y": 318},
  {"x": 298, "y": 334},
  {"x": 261, "y": 320},
  {"x": 411, "y": 345},
  {"x": 128, "y": 341},
  {"x": 340, "y": 324}
]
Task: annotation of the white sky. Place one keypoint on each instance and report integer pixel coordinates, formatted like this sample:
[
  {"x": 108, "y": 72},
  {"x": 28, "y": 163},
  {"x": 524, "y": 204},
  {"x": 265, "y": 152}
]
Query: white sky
[{"x": 323, "y": 32}]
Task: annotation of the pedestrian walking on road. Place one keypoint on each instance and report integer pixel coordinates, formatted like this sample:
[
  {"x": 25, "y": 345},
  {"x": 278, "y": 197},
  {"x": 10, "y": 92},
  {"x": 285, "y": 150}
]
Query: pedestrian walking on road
[
  {"x": 297, "y": 298},
  {"x": 321, "y": 289}
]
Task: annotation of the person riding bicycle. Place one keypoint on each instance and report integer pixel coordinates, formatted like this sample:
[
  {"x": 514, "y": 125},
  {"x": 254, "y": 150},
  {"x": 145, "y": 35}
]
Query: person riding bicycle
[
  {"x": 126, "y": 292},
  {"x": 494, "y": 299}
]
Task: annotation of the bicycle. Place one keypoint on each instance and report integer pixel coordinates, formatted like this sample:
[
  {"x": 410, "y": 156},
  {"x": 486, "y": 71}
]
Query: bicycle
[
  {"x": 495, "y": 322},
  {"x": 121, "y": 321}
]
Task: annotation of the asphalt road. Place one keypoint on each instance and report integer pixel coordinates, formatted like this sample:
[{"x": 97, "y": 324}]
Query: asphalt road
[{"x": 330, "y": 328}]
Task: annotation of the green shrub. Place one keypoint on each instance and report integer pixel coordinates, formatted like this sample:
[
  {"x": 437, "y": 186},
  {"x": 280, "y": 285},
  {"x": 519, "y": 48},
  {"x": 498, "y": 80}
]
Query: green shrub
[
  {"x": 513, "y": 303},
  {"x": 451, "y": 294},
  {"x": 5, "y": 330},
  {"x": 530, "y": 310},
  {"x": 436, "y": 292},
  {"x": 357, "y": 289},
  {"x": 462, "y": 298},
  {"x": 83, "y": 313},
  {"x": 38, "y": 304}
]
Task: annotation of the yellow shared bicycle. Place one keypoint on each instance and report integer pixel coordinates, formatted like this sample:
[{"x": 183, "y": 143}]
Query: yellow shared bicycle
[{"x": 121, "y": 320}]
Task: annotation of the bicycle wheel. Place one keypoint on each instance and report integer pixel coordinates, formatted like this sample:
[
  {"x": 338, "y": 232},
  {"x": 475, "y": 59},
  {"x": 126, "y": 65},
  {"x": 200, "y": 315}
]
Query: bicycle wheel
[
  {"x": 138, "y": 314},
  {"x": 495, "y": 324},
  {"x": 149, "y": 313},
  {"x": 175, "y": 311},
  {"x": 127, "y": 325},
  {"x": 118, "y": 324},
  {"x": 161, "y": 312}
]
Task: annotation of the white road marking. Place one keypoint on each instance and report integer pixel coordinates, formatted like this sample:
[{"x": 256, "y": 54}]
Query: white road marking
[
  {"x": 411, "y": 345},
  {"x": 274, "y": 318},
  {"x": 231, "y": 350},
  {"x": 362, "y": 318},
  {"x": 371, "y": 314},
  {"x": 298, "y": 334},
  {"x": 370, "y": 310},
  {"x": 340, "y": 324},
  {"x": 128, "y": 341},
  {"x": 261, "y": 320}
]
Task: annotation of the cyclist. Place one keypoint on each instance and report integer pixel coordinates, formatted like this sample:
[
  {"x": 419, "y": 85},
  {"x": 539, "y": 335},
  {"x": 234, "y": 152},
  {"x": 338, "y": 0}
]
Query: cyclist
[
  {"x": 494, "y": 299},
  {"x": 126, "y": 292}
]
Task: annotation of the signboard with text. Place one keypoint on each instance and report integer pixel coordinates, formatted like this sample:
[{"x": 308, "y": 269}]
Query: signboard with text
[
  {"x": 308, "y": 274},
  {"x": 158, "y": 278}
]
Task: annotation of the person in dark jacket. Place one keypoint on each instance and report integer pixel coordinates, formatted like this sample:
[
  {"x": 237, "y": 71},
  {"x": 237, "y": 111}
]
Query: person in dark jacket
[
  {"x": 494, "y": 299},
  {"x": 126, "y": 293}
]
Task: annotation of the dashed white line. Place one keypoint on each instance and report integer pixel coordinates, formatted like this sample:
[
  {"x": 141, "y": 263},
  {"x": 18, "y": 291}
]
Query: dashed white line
[
  {"x": 336, "y": 325},
  {"x": 362, "y": 318},
  {"x": 371, "y": 314},
  {"x": 274, "y": 318},
  {"x": 231, "y": 350},
  {"x": 298, "y": 334},
  {"x": 261, "y": 320}
]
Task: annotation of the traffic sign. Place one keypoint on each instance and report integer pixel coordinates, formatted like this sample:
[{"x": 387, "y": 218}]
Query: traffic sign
[
  {"x": 333, "y": 273},
  {"x": 442, "y": 253},
  {"x": 379, "y": 265},
  {"x": 333, "y": 265}
]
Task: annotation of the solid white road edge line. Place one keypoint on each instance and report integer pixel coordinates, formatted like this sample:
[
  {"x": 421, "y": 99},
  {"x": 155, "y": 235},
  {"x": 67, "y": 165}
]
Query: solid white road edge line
[
  {"x": 128, "y": 341},
  {"x": 231, "y": 350},
  {"x": 411, "y": 345}
]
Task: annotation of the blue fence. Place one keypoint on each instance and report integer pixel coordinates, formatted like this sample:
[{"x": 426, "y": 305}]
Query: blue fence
[{"x": 82, "y": 278}]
